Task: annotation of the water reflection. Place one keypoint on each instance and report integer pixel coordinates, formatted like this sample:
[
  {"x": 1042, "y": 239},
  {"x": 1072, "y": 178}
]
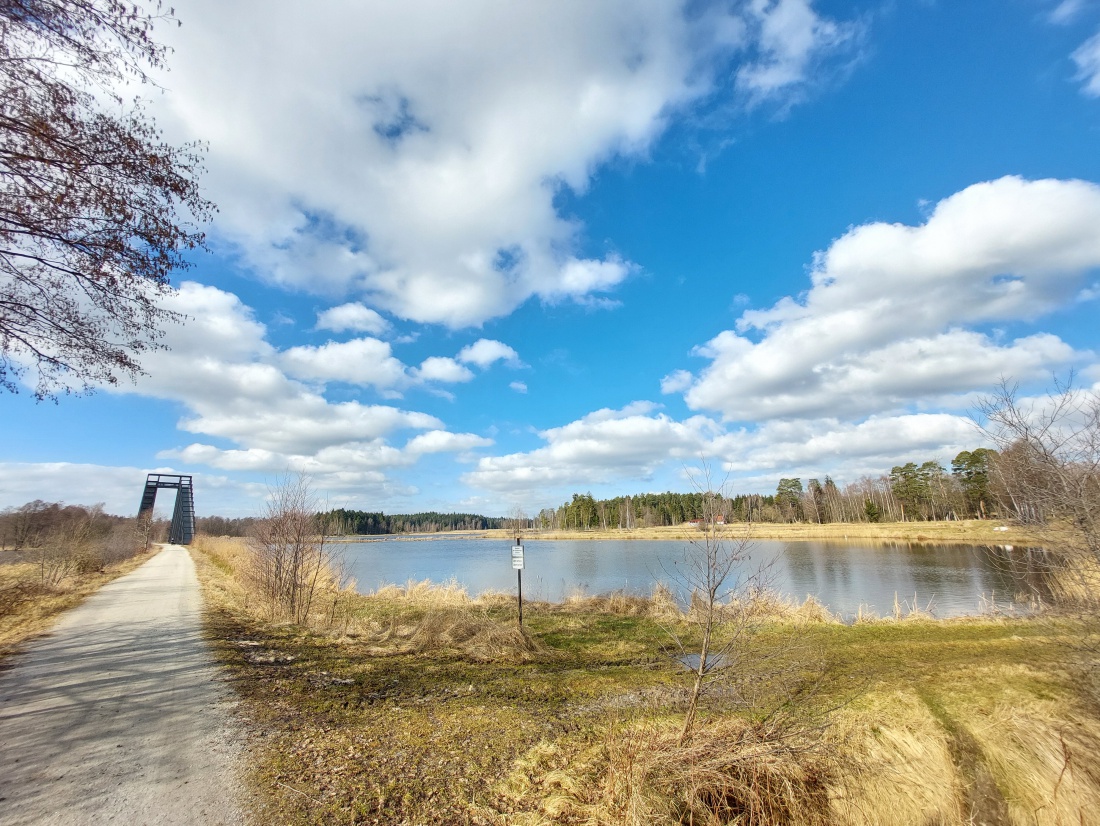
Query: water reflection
[{"x": 953, "y": 580}]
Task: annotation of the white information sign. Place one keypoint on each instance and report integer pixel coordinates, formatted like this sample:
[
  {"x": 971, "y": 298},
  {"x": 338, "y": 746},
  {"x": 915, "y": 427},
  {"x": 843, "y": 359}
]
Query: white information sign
[{"x": 517, "y": 557}]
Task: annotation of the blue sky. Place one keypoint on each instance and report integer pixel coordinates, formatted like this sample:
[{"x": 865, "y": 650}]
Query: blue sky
[{"x": 472, "y": 256}]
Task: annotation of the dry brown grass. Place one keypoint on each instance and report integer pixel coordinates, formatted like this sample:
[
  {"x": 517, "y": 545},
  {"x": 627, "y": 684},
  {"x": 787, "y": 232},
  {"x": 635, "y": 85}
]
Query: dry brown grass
[
  {"x": 660, "y": 604},
  {"x": 1040, "y": 746},
  {"x": 221, "y": 563},
  {"x": 765, "y": 605},
  {"x": 475, "y": 636},
  {"x": 415, "y": 618},
  {"x": 29, "y": 607},
  {"x": 971, "y": 531},
  {"x": 729, "y": 772},
  {"x": 425, "y": 594},
  {"x": 989, "y": 745},
  {"x": 1076, "y": 581},
  {"x": 901, "y": 772}
]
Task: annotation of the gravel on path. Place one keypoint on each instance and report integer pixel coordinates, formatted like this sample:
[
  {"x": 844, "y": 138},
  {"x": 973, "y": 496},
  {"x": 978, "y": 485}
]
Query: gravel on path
[{"x": 118, "y": 715}]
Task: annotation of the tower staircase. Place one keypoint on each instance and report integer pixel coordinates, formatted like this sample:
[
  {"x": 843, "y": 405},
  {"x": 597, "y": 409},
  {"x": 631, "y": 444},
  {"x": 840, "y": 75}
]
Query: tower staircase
[{"x": 182, "y": 529}]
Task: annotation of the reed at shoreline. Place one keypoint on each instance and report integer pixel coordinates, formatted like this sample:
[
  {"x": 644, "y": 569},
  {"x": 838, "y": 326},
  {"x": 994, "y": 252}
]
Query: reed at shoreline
[{"x": 971, "y": 531}]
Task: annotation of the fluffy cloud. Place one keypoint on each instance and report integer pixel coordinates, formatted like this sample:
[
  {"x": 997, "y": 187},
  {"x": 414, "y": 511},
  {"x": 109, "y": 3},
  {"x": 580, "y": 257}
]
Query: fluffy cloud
[
  {"x": 410, "y": 155},
  {"x": 847, "y": 450},
  {"x": 238, "y": 388},
  {"x": 353, "y": 316},
  {"x": 837, "y": 380},
  {"x": 486, "y": 351},
  {"x": 443, "y": 369},
  {"x": 1087, "y": 58},
  {"x": 363, "y": 361},
  {"x": 602, "y": 446},
  {"x": 884, "y": 322},
  {"x": 442, "y": 441},
  {"x": 370, "y": 362},
  {"x": 634, "y": 445}
]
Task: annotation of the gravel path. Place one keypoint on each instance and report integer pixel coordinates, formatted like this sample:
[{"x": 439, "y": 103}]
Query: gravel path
[{"x": 117, "y": 716}]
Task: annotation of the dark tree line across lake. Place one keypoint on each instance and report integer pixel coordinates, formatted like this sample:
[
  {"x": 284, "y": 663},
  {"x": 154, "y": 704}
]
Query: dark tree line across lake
[{"x": 344, "y": 522}]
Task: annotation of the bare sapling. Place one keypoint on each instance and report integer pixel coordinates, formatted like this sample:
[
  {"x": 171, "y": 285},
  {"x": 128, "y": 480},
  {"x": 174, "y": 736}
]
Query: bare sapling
[
  {"x": 711, "y": 574},
  {"x": 516, "y": 521},
  {"x": 290, "y": 552},
  {"x": 145, "y": 528}
]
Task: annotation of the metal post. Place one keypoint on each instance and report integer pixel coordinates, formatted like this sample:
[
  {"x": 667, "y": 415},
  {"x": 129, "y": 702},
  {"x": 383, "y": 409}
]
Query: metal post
[{"x": 519, "y": 588}]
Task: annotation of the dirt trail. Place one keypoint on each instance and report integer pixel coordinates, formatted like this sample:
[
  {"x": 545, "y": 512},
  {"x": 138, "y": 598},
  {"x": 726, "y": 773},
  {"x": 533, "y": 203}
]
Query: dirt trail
[{"x": 117, "y": 716}]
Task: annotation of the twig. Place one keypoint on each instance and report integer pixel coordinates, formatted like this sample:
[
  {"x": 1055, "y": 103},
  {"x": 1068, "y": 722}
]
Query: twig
[{"x": 303, "y": 794}]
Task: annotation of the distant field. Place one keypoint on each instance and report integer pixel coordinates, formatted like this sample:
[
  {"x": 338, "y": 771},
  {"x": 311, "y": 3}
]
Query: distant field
[{"x": 977, "y": 531}]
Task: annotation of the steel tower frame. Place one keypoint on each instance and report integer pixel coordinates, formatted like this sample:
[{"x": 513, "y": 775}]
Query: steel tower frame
[{"x": 182, "y": 529}]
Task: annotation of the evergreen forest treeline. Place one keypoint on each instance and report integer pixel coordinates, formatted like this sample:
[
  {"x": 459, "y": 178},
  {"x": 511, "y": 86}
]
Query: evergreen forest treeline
[
  {"x": 344, "y": 522},
  {"x": 910, "y": 492}
]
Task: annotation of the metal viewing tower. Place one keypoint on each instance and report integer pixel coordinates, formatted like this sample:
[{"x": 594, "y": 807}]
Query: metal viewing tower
[{"x": 182, "y": 530}]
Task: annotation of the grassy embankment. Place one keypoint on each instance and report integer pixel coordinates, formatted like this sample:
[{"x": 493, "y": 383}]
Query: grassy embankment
[
  {"x": 422, "y": 705},
  {"x": 29, "y": 604}
]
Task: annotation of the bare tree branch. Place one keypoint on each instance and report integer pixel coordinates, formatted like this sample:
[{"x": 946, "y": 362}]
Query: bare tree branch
[{"x": 96, "y": 210}]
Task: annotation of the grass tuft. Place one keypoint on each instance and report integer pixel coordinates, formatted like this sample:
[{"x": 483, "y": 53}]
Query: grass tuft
[{"x": 730, "y": 771}]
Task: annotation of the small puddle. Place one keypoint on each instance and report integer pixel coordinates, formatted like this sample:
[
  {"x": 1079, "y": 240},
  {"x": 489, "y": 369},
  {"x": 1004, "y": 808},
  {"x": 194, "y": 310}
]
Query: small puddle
[{"x": 690, "y": 662}]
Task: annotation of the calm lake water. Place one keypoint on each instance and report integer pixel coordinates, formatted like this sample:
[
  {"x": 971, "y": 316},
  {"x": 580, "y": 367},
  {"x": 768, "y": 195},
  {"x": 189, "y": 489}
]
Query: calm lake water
[{"x": 955, "y": 580}]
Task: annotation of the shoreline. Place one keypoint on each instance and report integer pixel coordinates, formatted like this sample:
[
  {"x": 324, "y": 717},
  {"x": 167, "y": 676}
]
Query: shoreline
[{"x": 970, "y": 532}]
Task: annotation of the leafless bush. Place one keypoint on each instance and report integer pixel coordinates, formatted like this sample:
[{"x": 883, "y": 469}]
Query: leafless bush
[
  {"x": 67, "y": 541},
  {"x": 516, "y": 522},
  {"x": 1047, "y": 473},
  {"x": 15, "y": 594},
  {"x": 290, "y": 555},
  {"x": 69, "y": 546},
  {"x": 758, "y": 756}
]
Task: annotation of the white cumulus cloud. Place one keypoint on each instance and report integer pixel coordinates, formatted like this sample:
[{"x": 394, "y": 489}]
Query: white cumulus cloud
[
  {"x": 603, "y": 446},
  {"x": 408, "y": 156},
  {"x": 442, "y": 441},
  {"x": 885, "y": 321},
  {"x": 443, "y": 369},
  {"x": 353, "y": 316},
  {"x": 362, "y": 361},
  {"x": 485, "y": 351},
  {"x": 269, "y": 404},
  {"x": 844, "y": 449}
]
